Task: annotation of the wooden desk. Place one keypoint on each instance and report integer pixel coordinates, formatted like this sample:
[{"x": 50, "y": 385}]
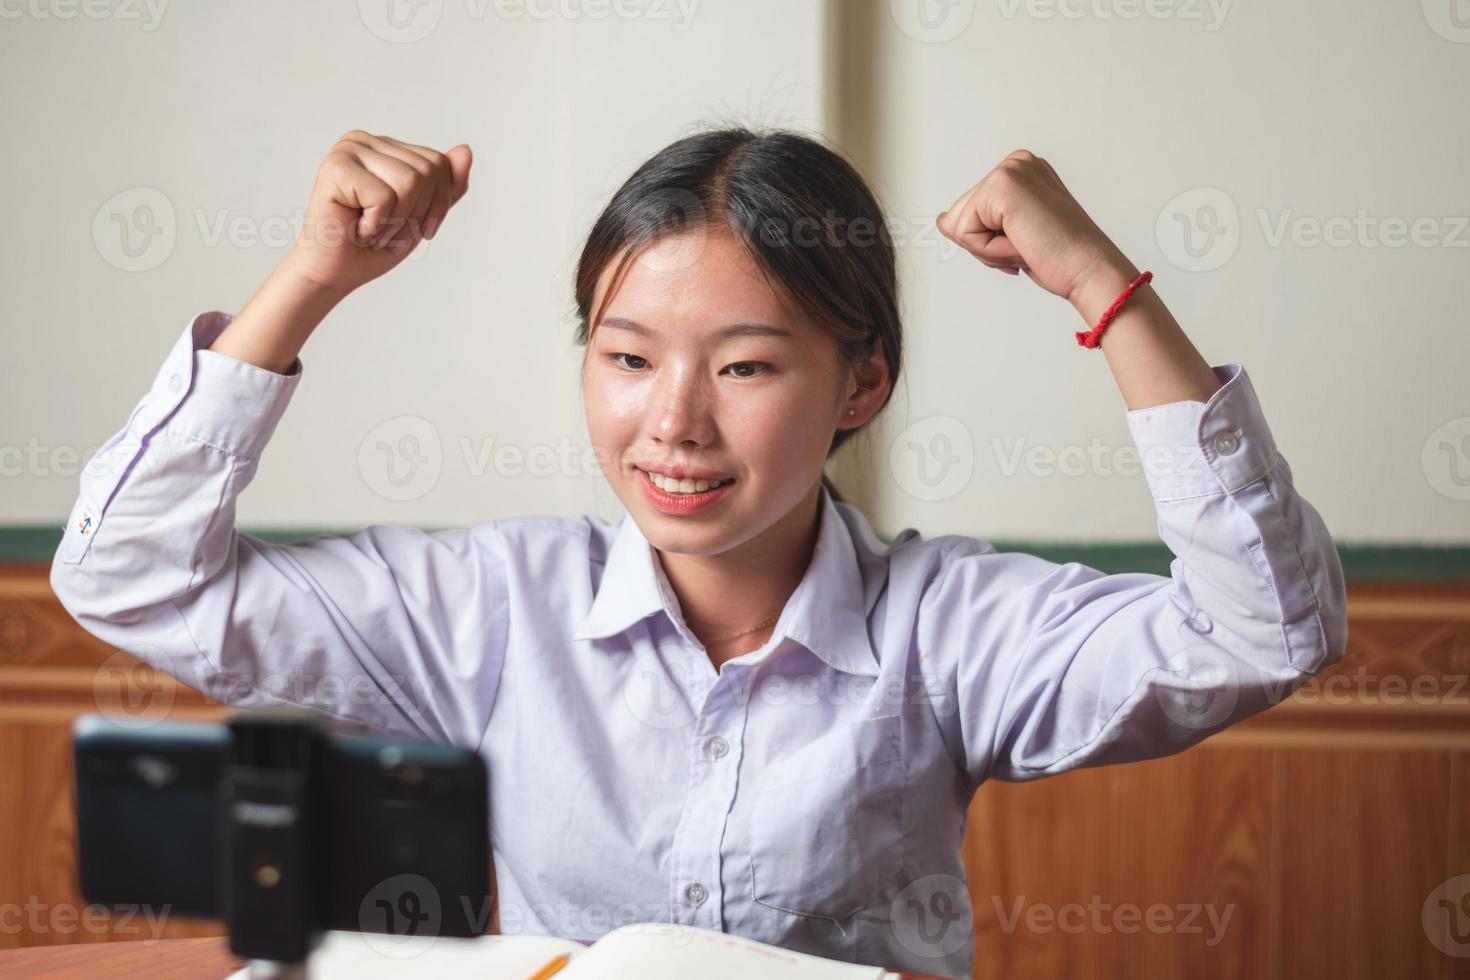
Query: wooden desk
[{"x": 166, "y": 959}]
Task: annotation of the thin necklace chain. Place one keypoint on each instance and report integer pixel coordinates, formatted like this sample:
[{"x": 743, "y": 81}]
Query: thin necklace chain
[{"x": 746, "y": 632}]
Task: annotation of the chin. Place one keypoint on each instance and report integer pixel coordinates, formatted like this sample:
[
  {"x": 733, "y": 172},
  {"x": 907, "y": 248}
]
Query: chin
[{"x": 679, "y": 536}]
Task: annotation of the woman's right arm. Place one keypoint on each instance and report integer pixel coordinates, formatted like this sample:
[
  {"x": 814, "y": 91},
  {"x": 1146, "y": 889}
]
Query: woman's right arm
[
  {"x": 374, "y": 200},
  {"x": 390, "y": 627}
]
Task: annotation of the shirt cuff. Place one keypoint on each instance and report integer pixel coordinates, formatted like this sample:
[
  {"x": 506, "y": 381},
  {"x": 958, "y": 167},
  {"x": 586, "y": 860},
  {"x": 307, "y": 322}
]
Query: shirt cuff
[
  {"x": 1193, "y": 448},
  {"x": 217, "y": 399}
]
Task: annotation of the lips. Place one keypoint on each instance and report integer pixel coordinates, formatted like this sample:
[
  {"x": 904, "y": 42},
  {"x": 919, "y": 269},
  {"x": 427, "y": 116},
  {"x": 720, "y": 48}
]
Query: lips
[{"x": 682, "y": 504}]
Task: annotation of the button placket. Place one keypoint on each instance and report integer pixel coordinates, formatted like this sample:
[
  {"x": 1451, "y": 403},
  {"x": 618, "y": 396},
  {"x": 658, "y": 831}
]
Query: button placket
[
  {"x": 716, "y": 747},
  {"x": 713, "y": 764}
]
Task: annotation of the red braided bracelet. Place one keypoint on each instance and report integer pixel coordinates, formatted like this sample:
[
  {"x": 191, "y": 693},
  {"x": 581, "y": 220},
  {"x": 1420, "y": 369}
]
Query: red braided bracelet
[{"x": 1093, "y": 337}]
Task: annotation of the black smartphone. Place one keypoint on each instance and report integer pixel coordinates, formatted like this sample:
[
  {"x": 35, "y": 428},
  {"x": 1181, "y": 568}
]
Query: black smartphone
[
  {"x": 148, "y": 813},
  {"x": 400, "y": 843},
  {"x": 404, "y": 849}
]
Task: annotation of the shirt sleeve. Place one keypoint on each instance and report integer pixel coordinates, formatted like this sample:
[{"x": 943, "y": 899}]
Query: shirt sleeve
[
  {"x": 1037, "y": 668},
  {"x": 394, "y": 628}
]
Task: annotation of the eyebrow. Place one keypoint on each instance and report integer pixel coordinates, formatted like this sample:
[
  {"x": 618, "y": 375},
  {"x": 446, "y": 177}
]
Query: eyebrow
[{"x": 730, "y": 330}]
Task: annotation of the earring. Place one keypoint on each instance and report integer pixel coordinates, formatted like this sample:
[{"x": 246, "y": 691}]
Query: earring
[{"x": 852, "y": 411}]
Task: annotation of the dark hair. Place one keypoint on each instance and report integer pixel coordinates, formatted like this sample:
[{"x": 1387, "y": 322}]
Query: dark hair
[{"x": 773, "y": 191}]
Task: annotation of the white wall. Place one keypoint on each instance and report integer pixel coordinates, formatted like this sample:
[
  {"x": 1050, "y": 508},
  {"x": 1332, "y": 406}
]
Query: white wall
[
  {"x": 1358, "y": 353},
  {"x": 1312, "y": 110}
]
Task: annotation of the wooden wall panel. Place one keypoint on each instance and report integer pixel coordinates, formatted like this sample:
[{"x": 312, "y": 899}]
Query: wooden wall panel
[
  {"x": 51, "y": 671},
  {"x": 1135, "y": 860},
  {"x": 1030, "y": 851},
  {"x": 1323, "y": 824},
  {"x": 1366, "y": 843},
  {"x": 1196, "y": 844},
  {"x": 1458, "y": 968},
  {"x": 38, "y": 890}
]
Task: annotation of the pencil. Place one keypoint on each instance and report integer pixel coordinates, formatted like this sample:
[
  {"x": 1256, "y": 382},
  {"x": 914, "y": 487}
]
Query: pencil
[{"x": 557, "y": 962}]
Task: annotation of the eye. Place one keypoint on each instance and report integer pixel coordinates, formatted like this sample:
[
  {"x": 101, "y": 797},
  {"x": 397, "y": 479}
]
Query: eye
[
  {"x": 740, "y": 369},
  {"x": 630, "y": 367},
  {"x": 741, "y": 364}
]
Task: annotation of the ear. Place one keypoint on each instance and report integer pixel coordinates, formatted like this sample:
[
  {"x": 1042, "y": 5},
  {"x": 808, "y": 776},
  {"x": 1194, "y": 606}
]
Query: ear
[{"x": 867, "y": 389}]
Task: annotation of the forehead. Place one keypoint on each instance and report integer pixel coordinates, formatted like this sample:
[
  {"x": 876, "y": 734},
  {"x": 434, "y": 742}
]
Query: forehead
[{"x": 696, "y": 281}]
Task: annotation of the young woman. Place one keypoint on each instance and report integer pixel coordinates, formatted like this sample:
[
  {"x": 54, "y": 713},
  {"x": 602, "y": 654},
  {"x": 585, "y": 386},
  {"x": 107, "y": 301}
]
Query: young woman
[{"x": 737, "y": 707}]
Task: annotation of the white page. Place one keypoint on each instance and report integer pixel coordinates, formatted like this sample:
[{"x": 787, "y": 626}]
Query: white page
[
  {"x": 377, "y": 956},
  {"x": 657, "y": 951}
]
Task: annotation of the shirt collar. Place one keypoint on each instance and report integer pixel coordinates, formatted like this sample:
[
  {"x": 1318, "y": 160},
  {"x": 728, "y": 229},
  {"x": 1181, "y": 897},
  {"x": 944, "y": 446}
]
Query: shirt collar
[{"x": 826, "y": 614}]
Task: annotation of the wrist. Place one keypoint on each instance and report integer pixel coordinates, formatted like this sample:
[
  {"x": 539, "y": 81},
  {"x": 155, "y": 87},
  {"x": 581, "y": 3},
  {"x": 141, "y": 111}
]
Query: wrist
[
  {"x": 291, "y": 279},
  {"x": 1103, "y": 282},
  {"x": 274, "y": 325},
  {"x": 297, "y": 304}
]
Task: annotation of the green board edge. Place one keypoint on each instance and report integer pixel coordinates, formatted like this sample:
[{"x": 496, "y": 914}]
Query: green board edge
[{"x": 1360, "y": 562}]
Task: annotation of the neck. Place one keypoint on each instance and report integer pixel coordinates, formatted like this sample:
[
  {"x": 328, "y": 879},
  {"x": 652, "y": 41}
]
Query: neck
[{"x": 739, "y": 588}]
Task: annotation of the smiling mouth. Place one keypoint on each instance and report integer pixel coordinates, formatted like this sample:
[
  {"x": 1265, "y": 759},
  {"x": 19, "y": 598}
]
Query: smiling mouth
[{"x": 687, "y": 487}]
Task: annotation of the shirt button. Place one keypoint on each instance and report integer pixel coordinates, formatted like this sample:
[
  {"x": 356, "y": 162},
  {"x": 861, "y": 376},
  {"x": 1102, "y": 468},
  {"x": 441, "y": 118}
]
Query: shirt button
[
  {"x": 175, "y": 382},
  {"x": 717, "y": 748},
  {"x": 696, "y": 893},
  {"x": 1226, "y": 443}
]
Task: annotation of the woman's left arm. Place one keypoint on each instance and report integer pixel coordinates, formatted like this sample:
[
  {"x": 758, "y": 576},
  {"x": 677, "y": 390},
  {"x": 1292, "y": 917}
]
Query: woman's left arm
[
  {"x": 1021, "y": 218},
  {"x": 1041, "y": 668}
]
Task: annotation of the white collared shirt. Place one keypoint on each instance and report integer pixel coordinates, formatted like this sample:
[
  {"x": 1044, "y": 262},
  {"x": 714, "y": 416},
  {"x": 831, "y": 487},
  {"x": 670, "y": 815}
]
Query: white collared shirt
[{"x": 811, "y": 793}]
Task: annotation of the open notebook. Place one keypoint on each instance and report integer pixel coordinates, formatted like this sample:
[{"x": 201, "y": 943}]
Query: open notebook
[{"x": 650, "y": 951}]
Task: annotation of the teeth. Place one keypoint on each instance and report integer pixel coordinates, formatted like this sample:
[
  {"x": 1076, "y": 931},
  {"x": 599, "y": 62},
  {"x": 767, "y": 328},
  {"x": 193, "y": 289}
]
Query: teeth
[{"x": 670, "y": 485}]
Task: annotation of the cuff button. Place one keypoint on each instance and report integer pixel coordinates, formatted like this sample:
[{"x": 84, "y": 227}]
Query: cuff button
[{"x": 1226, "y": 443}]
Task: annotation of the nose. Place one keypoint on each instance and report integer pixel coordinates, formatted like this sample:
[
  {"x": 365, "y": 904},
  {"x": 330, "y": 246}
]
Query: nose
[{"x": 679, "y": 412}]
